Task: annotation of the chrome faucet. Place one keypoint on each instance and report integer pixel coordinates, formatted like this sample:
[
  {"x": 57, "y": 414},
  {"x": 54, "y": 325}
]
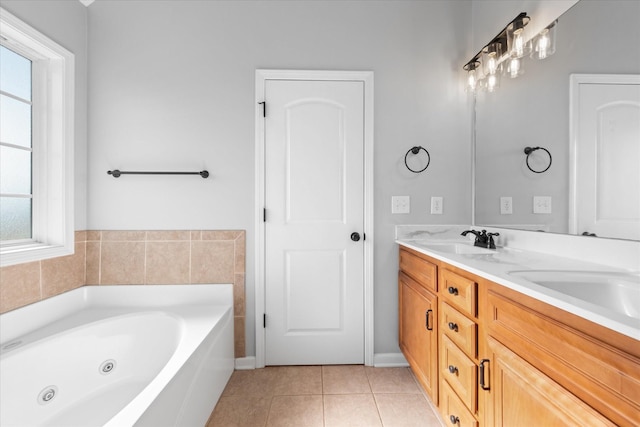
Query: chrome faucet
[{"x": 483, "y": 239}]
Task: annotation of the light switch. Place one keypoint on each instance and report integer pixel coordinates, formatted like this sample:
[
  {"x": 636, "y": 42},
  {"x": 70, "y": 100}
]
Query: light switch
[
  {"x": 541, "y": 204},
  {"x": 400, "y": 204}
]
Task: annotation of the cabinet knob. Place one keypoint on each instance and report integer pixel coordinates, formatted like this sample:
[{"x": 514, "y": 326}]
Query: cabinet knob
[
  {"x": 453, "y": 369},
  {"x": 454, "y": 419},
  {"x": 452, "y": 290},
  {"x": 453, "y": 326}
]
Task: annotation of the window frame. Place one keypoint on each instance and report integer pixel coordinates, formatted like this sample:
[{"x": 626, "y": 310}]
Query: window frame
[{"x": 53, "y": 87}]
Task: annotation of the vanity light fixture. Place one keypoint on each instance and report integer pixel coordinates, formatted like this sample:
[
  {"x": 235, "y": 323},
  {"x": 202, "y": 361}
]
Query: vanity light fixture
[{"x": 505, "y": 53}]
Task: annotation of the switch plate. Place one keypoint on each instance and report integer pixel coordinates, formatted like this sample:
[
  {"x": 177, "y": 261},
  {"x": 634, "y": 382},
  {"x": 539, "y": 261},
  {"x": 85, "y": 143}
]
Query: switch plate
[
  {"x": 506, "y": 205},
  {"x": 400, "y": 204},
  {"x": 541, "y": 204},
  {"x": 436, "y": 205}
]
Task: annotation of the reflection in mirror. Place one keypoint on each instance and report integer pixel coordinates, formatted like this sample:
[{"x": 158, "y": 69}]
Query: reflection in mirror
[{"x": 593, "y": 37}]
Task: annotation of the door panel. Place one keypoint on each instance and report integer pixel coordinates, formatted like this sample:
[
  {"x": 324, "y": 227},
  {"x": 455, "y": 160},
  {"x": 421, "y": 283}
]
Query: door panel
[
  {"x": 314, "y": 197},
  {"x": 607, "y": 151}
]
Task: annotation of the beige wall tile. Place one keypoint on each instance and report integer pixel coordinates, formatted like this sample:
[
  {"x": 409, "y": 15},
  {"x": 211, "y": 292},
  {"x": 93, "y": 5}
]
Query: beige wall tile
[
  {"x": 240, "y": 254},
  {"x": 167, "y": 263},
  {"x": 162, "y": 235},
  {"x": 196, "y": 235},
  {"x": 238, "y": 329},
  {"x": 123, "y": 236},
  {"x": 19, "y": 285},
  {"x": 239, "y": 295},
  {"x": 80, "y": 236},
  {"x": 94, "y": 235},
  {"x": 93, "y": 263},
  {"x": 64, "y": 273},
  {"x": 212, "y": 261},
  {"x": 122, "y": 263},
  {"x": 220, "y": 234}
]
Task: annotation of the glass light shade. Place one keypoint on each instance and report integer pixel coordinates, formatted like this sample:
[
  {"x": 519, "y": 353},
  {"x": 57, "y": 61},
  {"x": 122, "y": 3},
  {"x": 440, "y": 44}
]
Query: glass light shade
[
  {"x": 472, "y": 80},
  {"x": 518, "y": 42},
  {"x": 492, "y": 82},
  {"x": 514, "y": 67},
  {"x": 491, "y": 59},
  {"x": 544, "y": 44}
]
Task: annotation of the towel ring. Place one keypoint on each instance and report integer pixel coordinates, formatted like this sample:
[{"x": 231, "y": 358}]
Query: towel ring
[
  {"x": 416, "y": 150},
  {"x": 529, "y": 150}
]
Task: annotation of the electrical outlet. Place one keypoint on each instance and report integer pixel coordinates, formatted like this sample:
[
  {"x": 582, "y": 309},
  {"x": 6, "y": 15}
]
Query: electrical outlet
[
  {"x": 506, "y": 205},
  {"x": 400, "y": 204},
  {"x": 541, "y": 204},
  {"x": 436, "y": 205}
]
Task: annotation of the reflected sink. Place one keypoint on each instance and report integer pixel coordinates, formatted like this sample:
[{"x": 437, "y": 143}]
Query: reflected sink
[
  {"x": 616, "y": 291},
  {"x": 455, "y": 248}
]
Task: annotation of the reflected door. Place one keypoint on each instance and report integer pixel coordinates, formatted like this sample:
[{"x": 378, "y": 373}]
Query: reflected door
[
  {"x": 314, "y": 197},
  {"x": 606, "y": 155}
]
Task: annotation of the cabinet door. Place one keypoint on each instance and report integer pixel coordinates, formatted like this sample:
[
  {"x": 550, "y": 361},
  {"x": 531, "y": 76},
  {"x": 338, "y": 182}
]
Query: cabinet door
[
  {"x": 418, "y": 332},
  {"x": 522, "y": 395}
]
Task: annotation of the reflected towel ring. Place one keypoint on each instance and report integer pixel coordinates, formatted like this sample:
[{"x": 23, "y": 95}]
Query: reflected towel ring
[
  {"x": 529, "y": 150},
  {"x": 416, "y": 150}
]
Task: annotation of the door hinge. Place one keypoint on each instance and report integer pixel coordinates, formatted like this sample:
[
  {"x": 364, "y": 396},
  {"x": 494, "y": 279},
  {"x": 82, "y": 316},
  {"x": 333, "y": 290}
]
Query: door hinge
[
  {"x": 264, "y": 214},
  {"x": 264, "y": 320},
  {"x": 264, "y": 108},
  {"x": 364, "y": 237}
]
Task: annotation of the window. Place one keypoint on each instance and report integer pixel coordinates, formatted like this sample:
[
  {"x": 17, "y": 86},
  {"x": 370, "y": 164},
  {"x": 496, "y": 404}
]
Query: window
[{"x": 36, "y": 144}]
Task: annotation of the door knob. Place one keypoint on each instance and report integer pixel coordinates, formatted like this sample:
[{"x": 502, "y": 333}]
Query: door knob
[{"x": 355, "y": 236}]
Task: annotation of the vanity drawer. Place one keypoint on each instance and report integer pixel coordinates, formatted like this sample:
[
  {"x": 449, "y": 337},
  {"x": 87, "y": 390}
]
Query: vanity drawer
[
  {"x": 459, "y": 372},
  {"x": 453, "y": 410},
  {"x": 459, "y": 291},
  {"x": 419, "y": 269},
  {"x": 462, "y": 330}
]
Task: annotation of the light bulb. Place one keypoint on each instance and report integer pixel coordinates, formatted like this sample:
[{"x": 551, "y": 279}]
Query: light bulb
[
  {"x": 492, "y": 82},
  {"x": 472, "y": 80},
  {"x": 514, "y": 69},
  {"x": 517, "y": 40},
  {"x": 545, "y": 42}
]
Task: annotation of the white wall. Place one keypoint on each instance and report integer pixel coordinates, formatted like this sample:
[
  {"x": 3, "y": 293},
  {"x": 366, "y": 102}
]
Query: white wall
[
  {"x": 172, "y": 87},
  {"x": 65, "y": 22}
]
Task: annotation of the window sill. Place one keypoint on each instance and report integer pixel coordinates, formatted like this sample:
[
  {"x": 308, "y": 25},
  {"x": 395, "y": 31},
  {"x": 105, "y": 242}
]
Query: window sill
[{"x": 33, "y": 252}]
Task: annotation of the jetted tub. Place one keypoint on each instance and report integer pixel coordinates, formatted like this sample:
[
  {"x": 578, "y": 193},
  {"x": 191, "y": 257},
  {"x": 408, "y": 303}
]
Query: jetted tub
[{"x": 150, "y": 355}]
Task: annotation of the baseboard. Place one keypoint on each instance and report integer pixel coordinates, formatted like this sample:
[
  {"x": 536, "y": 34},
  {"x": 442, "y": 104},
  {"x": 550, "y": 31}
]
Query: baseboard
[
  {"x": 245, "y": 363},
  {"x": 380, "y": 360},
  {"x": 389, "y": 360}
]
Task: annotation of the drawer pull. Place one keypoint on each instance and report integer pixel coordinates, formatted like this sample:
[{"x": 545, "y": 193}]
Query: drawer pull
[
  {"x": 427, "y": 323},
  {"x": 481, "y": 380},
  {"x": 453, "y": 369},
  {"x": 453, "y": 326},
  {"x": 452, "y": 290},
  {"x": 454, "y": 419}
]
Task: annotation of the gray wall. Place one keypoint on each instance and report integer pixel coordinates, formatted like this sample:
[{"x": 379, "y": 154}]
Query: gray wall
[
  {"x": 172, "y": 86},
  {"x": 65, "y": 22}
]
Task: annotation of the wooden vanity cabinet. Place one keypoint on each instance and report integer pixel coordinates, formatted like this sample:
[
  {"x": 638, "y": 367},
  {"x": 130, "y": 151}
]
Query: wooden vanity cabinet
[
  {"x": 506, "y": 359},
  {"x": 553, "y": 365},
  {"x": 418, "y": 320}
]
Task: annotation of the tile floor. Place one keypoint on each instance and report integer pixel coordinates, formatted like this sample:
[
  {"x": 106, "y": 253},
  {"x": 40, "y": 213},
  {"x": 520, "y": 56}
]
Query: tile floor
[{"x": 329, "y": 396}]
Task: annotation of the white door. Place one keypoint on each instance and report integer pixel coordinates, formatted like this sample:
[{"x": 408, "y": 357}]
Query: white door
[
  {"x": 314, "y": 200},
  {"x": 606, "y": 154}
]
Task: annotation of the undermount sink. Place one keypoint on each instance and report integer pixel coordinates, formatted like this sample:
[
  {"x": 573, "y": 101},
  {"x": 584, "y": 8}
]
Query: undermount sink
[
  {"x": 455, "y": 248},
  {"x": 616, "y": 291}
]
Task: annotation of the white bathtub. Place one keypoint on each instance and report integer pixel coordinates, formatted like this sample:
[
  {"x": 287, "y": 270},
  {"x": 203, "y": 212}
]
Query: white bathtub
[{"x": 117, "y": 356}]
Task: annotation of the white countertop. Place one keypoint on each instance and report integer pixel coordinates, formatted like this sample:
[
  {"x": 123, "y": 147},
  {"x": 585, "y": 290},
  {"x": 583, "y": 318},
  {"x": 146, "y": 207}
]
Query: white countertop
[{"x": 497, "y": 265}]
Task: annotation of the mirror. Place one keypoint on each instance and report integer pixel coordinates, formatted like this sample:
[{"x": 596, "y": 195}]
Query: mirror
[{"x": 593, "y": 37}]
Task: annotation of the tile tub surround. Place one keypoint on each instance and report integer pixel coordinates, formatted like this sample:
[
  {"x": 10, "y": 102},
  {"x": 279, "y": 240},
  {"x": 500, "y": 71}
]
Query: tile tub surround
[{"x": 140, "y": 257}]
